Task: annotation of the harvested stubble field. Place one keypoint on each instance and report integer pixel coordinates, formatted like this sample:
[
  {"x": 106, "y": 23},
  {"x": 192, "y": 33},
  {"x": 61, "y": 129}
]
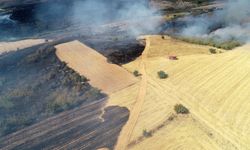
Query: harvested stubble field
[
  {"x": 214, "y": 87},
  {"x": 94, "y": 66}
]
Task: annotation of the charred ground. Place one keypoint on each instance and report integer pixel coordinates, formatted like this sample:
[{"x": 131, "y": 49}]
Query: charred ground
[
  {"x": 38, "y": 91},
  {"x": 35, "y": 78}
]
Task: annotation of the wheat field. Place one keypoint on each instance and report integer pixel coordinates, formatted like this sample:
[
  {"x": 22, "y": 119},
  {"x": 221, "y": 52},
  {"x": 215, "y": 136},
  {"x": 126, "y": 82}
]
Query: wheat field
[
  {"x": 94, "y": 66},
  {"x": 214, "y": 87}
]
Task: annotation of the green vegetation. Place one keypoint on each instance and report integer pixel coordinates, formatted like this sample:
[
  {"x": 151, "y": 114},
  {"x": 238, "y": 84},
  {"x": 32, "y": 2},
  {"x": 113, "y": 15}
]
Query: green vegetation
[
  {"x": 212, "y": 51},
  {"x": 227, "y": 45},
  {"x": 147, "y": 133},
  {"x": 180, "y": 109},
  {"x": 162, "y": 75},
  {"x": 136, "y": 73}
]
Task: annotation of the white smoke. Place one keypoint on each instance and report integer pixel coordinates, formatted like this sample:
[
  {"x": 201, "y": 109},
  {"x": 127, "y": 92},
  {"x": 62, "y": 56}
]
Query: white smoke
[
  {"x": 98, "y": 12},
  {"x": 233, "y": 22}
]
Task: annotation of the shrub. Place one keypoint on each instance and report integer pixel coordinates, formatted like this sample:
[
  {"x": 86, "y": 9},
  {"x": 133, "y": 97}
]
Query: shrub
[
  {"x": 162, "y": 75},
  {"x": 180, "y": 109},
  {"x": 136, "y": 73},
  {"x": 212, "y": 51},
  {"x": 146, "y": 133}
]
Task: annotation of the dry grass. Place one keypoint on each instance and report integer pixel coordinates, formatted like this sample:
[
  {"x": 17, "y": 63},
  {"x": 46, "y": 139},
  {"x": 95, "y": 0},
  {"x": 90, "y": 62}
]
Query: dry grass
[
  {"x": 214, "y": 88},
  {"x": 169, "y": 46},
  {"x": 94, "y": 66}
]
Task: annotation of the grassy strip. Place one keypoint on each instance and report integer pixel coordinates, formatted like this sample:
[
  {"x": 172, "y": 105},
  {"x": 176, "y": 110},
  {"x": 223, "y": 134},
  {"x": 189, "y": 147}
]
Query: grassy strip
[{"x": 227, "y": 45}]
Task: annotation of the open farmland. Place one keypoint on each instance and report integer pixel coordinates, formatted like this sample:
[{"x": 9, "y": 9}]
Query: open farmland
[
  {"x": 214, "y": 87},
  {"x": 124, "y": 75},
  {"x": 94, "y": 66}
]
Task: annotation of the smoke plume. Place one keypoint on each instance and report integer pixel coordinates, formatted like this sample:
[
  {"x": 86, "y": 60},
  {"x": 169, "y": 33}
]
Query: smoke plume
[
  {"x": 98, "y": 12},
  {"x": 233, "y": 22}
]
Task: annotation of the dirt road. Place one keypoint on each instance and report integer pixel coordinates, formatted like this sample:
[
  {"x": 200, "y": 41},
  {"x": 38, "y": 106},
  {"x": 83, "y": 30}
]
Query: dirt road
[{"x": 125, "y": 135}]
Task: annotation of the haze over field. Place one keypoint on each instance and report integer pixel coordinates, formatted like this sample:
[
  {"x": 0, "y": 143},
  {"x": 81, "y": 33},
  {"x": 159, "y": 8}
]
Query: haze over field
[
  {"x": 100, "y": 12},
  {"x": 233, "y": 22}
]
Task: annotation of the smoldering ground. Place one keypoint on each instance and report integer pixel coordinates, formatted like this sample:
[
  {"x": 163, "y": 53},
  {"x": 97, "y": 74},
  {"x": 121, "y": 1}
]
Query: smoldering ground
[{"x": 231, "y": 23}]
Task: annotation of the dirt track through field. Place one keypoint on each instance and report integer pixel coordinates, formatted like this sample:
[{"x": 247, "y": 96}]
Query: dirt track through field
[
  {"x": 94, "y": 66},
  {"x": 127, "y": 131},
  {"x": 214, "y": 87}
]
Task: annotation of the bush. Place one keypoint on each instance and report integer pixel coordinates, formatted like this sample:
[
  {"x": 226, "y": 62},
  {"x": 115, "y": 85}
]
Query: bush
[
  {"x": 136, "y": 73},
  {"x": 180, "y": 109},
  {"x": 212, "y": 51},
  {"x": 162, "y": 75},
  {"x": 146, "y": 133}
]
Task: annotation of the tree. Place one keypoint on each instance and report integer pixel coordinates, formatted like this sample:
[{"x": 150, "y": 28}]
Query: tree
[
  {"x": 136, "y": 73},
  {"x": 162, "y": 75},
  {"x": 180, "y": 109},
  {"x": 146, "y": 133},
  {"x": 212, "y": 51}
]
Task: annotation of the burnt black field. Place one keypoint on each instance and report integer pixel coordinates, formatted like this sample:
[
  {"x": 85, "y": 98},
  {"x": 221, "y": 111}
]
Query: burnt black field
[
  {"x": 35, "y": 88},
  {"x": 35, "y": 85}
]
